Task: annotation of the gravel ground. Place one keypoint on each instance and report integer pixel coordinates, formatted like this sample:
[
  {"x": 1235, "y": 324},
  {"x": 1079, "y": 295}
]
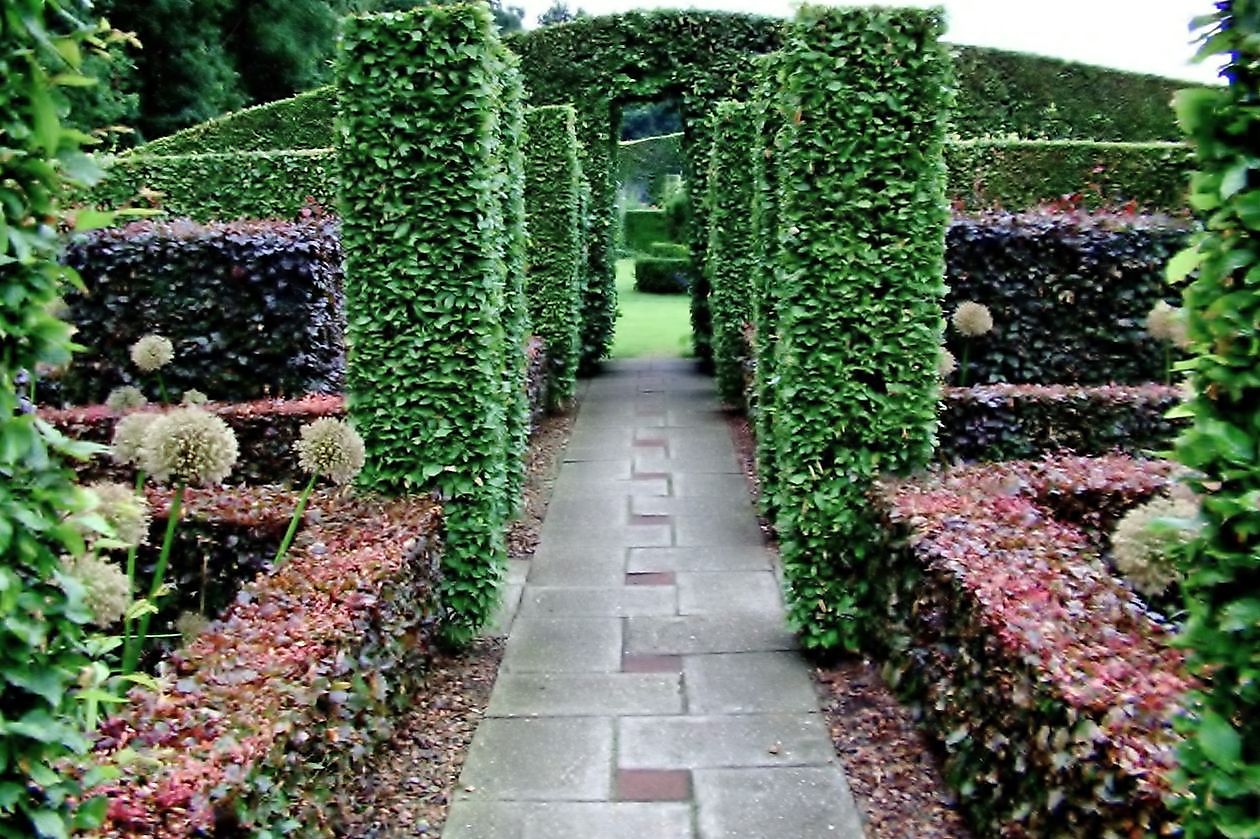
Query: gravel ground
[
  {"x": 893, "y": 772},
  {"x": 406, "y": 787}
]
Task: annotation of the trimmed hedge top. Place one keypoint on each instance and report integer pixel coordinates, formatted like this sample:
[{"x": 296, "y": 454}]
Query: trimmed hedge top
[{"x": 304, "y": 121}]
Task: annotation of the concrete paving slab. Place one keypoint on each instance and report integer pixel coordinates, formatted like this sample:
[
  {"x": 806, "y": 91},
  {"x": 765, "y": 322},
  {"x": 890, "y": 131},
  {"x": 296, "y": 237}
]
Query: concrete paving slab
[
  {"x": 734, "y": 529},
  {"x": 565, "y": 488},
  {"x": 706, "y": 592},
  {"x": 800, "y": 802},
  {"x": 705, "y": 464},
  {"x": 704, "y": 506},
  {"x": 694, "y": 634},
  {"x": 699, "y": 742},
  {"x": 585, "y": 694},
  {"x": 577, "y": 565},
  {"x": 620, "y": 601},
  {"x": 473, "y": 817},
  {"x": 509, "y": 602},
  {"x": 541, "y": 759},
  {"x": 578, "y": 512},
  {"x": 695, "y": 484},
  {"x": 749, "y": 683},
  {"x": 699, "y": 558},
  {"x": 563, "y": 645},
  {"x": 595, "y": 534},
  {"x": 618, "y": 820},
  {"x": 517, "y": 571}
]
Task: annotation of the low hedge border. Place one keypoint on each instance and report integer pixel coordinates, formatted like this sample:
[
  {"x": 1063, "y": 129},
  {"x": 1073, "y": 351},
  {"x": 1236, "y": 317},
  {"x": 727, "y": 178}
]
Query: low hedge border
[
  {"x": 270, "y": 707},
  {"x": 1048, "y": 686},
  {"x": 662, "y": 275},
  {"x": 265, "y": 429},
  {"x": 1012, "y": 422}
]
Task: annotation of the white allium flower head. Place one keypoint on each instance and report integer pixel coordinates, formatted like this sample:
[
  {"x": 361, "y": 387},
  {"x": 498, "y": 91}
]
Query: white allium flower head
[
  {"x": 972, "y": 319},
  {"x": 125, "y": 398},
  {"x": 108, "y": 590},
  {"x": 152, "y": 352},
  {"x": 189, "y": 445},
  {"x": 331, "y": 448},
  {"x": 129, "y": 435}
]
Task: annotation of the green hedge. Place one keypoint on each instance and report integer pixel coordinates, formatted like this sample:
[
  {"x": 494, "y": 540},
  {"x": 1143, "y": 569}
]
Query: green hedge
[
  {"x": 1002, "y": 93},
  {"x": 304, "y": 121},
  {"x": 219, "y": 187},
  {"x": 420, "y": 94},
  {"x": 1019, "y": 174},
  {"x": 644, "y": 164},
  {"x": 552, "y": 197},
  {"x": 510, "y": 144},
  {"x": 662, "y": 275},
  {"x": 861, "y": 228},
  {"x": 730, "y": 261},
  {"x": 669, "y": 250},
  {"x": 763, "y": 168},
  {"x": 643, "y": 227},
  {"x": 1220, "y": 761}
]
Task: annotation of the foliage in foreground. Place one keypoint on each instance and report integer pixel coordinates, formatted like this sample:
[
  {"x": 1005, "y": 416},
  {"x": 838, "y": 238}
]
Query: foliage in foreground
[
  {"x": 1220, "y": 762},
  {"x": 1050, "y": 688}
]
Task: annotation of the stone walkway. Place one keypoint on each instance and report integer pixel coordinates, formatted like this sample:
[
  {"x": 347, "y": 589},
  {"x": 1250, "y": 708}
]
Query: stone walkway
[{"x": 650, "y": 689}]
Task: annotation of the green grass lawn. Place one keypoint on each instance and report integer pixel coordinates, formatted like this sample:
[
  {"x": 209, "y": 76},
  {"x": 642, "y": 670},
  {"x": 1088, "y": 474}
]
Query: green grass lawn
[{"x": 649, "y": 325}]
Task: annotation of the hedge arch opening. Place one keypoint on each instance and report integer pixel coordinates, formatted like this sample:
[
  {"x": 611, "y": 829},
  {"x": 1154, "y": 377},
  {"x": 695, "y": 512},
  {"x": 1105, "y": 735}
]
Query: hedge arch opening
[{"x": 601, "y": 65}]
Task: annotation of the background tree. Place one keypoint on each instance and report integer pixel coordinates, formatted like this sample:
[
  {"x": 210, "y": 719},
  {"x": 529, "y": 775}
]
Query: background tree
[{"x": 559, "y": 12}]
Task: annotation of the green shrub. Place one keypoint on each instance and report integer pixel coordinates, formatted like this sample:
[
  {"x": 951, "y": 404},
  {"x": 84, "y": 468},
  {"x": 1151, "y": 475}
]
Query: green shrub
[
  {"x": 645, "y": 164},
  {"x": 1220, "y": 761},
  {"x": 1021, "y": 174},
  {"x": 678, "y": 213},
  {"x": 219, "y": 187},
  {"x": 730, "y": 261},
  {"x": 643, "y": 227},
  {"x": 662, "y": 275},
  {"x": 860, "y": 223},
  {"x": 304, "y": 121},
  {"x": 423, "y": 229},
  {"x": 46, "y": 656},
  {"x": 555, "y": 242},
  {"x": 669, "y": 250}
]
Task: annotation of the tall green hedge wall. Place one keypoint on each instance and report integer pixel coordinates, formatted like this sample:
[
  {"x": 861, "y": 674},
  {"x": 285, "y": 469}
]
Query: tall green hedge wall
[
  {"x": 1220, "y": 756},
  {"x": 304, "y": 121},
  {"x": 1018, "y": 174},
  {"x": 220, "y": 186},
  {"x": 552, "y": 195},
  {"x": 421, "y": 166},
  {"x": 861, "y": 232},
  {"x": 730, "y": 261}
]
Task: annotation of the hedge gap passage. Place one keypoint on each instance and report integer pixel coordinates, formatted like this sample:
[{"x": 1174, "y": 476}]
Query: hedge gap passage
[
  {"x": 730, "y": 259},
  {"x": 556, "y": 249},
  {"x": 421, "y": 94},
  {"x": 861, "y": 232}
]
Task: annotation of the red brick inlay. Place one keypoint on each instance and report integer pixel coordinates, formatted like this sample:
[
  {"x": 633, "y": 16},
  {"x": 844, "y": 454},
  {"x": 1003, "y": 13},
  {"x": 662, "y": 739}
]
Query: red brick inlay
[
  {"x": 648, "y": 411},
  {"x": 653, "y": 784},
  {"x": 649, "y": 476},
  {"x": 654, "y": 443},
  {"x": 650, "y": 578},
  {"x": 651, "y": 663}
]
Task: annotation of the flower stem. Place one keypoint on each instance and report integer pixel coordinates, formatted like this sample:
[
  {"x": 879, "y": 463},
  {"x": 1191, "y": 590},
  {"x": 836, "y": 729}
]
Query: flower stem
[
  {"x": 1167, "y": 364},
  {"x": 132, "y": 654},
  {"x": 293, "y": 522},
  {"x": 131, "y": 568},
  {"x": 962, "y": 365},
  {"x": 162, "y": 389}
]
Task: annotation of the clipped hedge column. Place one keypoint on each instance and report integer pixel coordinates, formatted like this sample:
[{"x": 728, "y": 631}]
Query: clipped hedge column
[
  {"x": 1220, "y": 758},
  {"x": 420, "y": 94},
  {"x": 552, "y": 198},
  {"x": 516, "y": 321},
  {"x": 861, "y": 223},
  {"x": 730, "y": 260},
  {"x": 767, "y": 122}
]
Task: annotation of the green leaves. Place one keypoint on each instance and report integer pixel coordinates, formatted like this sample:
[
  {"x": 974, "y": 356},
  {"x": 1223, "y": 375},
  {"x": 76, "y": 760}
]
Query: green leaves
[{"x": 431, "y": 184}]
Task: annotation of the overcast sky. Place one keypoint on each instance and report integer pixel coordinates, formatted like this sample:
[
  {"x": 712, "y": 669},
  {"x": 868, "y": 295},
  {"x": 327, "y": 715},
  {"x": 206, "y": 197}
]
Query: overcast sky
[{"x": 1150, "y": 36}]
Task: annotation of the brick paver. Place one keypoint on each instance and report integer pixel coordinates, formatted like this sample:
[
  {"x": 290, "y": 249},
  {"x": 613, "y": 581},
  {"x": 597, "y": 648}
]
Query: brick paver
[{"x": 650, "y": 687}]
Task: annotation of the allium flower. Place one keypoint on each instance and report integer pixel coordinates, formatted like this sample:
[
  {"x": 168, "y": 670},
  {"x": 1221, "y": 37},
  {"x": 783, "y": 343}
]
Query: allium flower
[
  {"x": 108, "y": 591},
  {"x": 1146, "y": 542},
  {"x": 1166, "y": 323},
  {"x": 945, "y": 363},
  {"x": 125, "y": 398},
  {"x": 152, "y": 352},
  {"x": 191, "y": 624},
  {"x": 189, "y": 445},
  {"x": 126, "y": 512},
  {"x": 129, "y": 436},
  {"x": 972, "y": 319},
  {"x": 195, "y": 397},
  {"x": 331, "y": 448}
]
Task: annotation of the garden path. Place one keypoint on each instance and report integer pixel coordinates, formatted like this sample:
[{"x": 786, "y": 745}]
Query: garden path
[{"x": 650, "y": 688}]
